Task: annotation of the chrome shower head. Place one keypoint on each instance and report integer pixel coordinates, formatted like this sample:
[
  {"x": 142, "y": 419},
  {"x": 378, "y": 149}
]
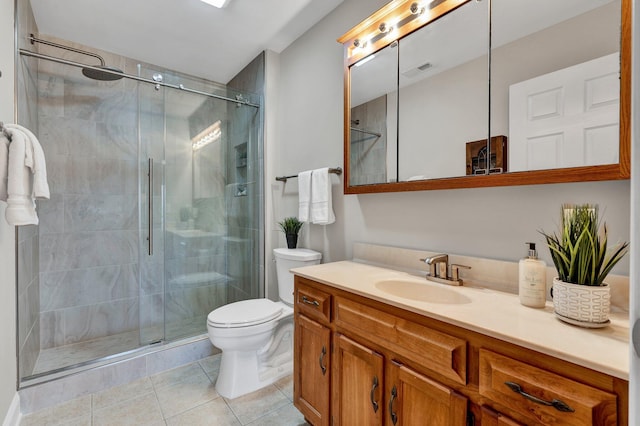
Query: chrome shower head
[
  {"x": 100, "y": 75},
  {"x": 92, "y": 73}
]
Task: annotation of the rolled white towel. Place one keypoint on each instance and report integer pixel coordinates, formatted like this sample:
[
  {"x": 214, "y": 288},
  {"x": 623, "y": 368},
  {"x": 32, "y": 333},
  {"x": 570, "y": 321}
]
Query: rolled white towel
[
  {"x": 20, "y": 204},
  {"x": 35, "y": 160}
]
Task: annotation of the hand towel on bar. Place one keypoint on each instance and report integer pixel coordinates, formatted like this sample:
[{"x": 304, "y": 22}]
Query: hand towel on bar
[
  {"x": 4, "y": 166},
  {"x": 321, "y": 210},
  {"x": 27, "y": 176},
  {"x": 304, "y": 195},
  {"x": 35, "y": 160}
]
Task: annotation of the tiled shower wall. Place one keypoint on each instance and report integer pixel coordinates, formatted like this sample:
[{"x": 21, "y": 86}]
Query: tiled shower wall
[
  {"x": 88, "y": 229},
  {"x": 245, "y": 159},
  {"x": 369, "y": 152}
]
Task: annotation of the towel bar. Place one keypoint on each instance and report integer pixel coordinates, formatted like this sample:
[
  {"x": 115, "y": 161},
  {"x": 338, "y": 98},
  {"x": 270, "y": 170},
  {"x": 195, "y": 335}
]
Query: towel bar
[{"x": 336, "y": 171}]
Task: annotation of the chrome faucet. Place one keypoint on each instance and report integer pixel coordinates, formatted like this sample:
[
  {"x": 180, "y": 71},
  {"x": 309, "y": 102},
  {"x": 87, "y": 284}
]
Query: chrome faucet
[{"x": 439, "y": 270}]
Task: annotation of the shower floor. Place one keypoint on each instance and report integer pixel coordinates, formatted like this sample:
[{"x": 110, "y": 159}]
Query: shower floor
[{"x": 79, "y": 353}]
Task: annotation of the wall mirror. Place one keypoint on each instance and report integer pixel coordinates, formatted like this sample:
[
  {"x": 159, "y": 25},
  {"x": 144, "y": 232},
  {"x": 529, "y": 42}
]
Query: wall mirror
[{"x": 487, "y": 93}]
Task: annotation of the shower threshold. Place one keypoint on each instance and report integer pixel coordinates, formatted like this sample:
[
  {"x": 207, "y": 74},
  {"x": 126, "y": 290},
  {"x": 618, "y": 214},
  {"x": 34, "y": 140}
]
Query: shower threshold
[{"x": 61, "y": 361}]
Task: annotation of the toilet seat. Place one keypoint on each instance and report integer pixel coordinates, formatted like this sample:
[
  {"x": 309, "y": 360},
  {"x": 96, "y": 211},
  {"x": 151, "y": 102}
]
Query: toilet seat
[{"x": 245, "y": 313}]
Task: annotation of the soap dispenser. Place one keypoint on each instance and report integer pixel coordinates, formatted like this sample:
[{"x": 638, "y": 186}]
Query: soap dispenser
[{"x": 532, "y": 279}]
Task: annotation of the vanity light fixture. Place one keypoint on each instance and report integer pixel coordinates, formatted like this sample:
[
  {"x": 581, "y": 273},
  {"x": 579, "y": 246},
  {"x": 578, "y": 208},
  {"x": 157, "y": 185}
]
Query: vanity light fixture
[
  {"x": 207, "y": 136},
  {"x": 359, "y": 43},
  {"x": 416, "y": 8},
  {"x": 217, "y": 3},
  {"x": 384, "y": 28}
]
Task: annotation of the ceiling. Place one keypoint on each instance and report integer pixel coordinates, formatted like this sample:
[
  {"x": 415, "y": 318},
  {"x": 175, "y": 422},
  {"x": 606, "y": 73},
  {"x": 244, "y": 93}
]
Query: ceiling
[{"x": 183, "y": 35}]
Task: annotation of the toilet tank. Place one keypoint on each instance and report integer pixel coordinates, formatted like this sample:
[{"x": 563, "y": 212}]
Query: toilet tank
[{"x": 287, "y": 259}]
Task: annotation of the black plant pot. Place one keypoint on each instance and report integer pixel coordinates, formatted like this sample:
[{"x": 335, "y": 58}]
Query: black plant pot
[{"x": 292, "y": 240}]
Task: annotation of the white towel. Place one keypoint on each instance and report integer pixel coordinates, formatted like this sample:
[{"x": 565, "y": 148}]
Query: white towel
[
  {"x": 321, "y": 210},
  {"x": 27, "y": 176},
  {"x": 34, "y": 159},
  {"x": 4, "y": 166},
  {"x": 304, "y": 195}
]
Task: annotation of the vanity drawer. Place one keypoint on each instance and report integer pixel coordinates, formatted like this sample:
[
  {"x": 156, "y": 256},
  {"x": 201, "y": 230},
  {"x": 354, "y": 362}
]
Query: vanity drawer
[
  {"x": 543, "y": 396},
  {"x": 435, "y": 351},
  {"x": 312, "y": 302}
]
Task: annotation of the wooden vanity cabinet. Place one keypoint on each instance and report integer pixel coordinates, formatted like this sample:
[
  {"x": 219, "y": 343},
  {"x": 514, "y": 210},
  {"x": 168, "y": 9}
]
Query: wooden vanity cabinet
[
  {"x": 358, "y": 383},
  {"x": 362, "y": 362},
  {"x": 369, "y": 389},
  {"x": 416, "y": 400},
  {"x": 312, "y": 357}
]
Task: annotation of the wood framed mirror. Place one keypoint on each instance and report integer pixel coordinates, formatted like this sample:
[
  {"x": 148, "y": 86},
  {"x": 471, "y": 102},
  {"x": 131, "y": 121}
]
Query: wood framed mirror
[{"x": 548, "y": 82}]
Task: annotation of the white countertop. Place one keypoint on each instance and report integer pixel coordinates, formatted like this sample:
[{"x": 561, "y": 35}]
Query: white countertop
[{"x": 492, "y": 313}]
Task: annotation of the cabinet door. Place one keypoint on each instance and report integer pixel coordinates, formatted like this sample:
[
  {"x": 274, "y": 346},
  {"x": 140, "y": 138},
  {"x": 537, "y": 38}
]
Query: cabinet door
[
  {"x": 312, "y": 366},
  {"x": 493, "y": 418},
  {"x": 357, "y": 381},
  {"x": 414, "y": 399}
]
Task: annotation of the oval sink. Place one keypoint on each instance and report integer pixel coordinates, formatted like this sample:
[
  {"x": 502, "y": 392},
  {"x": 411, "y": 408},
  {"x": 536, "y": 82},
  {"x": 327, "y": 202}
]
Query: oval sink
[{"x": 424, "y": 292}]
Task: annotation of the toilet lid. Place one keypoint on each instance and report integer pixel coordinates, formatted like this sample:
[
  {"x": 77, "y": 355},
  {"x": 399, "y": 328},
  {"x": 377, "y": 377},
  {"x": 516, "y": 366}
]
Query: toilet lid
[
  {"x": 244, "y": 313},
  {"x": 299, "y": 254}
]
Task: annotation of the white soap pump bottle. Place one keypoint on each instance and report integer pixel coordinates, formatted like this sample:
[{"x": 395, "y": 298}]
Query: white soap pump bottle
[{"x": 532, "y": 279}]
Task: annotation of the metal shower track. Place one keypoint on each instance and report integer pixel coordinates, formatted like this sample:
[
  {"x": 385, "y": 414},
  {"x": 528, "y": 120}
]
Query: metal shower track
[{"x": 240, "y": 101}]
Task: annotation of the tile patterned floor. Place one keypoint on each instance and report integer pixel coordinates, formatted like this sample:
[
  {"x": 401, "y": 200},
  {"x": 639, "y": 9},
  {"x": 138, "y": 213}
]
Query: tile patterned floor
[{"x": 183, "y": 396}]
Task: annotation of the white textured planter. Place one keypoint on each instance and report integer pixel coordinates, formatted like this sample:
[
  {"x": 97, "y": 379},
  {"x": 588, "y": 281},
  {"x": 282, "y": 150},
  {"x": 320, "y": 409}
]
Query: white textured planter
[{"x": 583, "y": 305}]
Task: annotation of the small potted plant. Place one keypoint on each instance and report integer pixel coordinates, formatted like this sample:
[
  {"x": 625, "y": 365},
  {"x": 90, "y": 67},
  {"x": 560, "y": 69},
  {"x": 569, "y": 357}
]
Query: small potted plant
[
  {"x": 580, "y": 255},
  {"x": 291, "y": 226}
]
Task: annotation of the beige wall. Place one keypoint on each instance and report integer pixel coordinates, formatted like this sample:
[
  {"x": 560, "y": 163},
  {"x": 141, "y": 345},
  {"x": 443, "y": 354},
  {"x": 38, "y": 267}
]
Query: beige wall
[
  {"x": 7, "y": 233},
  {"x": 490, "y": 222}
]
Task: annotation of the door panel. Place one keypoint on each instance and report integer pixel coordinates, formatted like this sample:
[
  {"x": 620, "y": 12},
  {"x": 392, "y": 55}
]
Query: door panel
[
  {"x": 312, "y": 359},
  {"x": 358, "y": 378},
  {"x": 415, "y": 399},
  {"x": 566, "y": 118}
]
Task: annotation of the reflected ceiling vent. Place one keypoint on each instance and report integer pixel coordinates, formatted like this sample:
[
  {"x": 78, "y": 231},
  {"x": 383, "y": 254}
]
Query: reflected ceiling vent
[{"x": 417, "y": 70}]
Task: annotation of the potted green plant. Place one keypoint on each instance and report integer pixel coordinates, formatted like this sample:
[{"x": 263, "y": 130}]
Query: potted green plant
[
  {"x": 291, "y": 226},
  {"x": 583, "y": 261}
]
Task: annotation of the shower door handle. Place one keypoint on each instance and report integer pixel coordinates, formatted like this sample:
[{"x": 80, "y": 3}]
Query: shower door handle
[{"x": 150, "y": 206}]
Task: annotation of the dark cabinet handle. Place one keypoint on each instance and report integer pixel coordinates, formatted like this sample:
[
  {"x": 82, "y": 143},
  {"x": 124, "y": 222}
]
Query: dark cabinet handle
[
  {"x": 372, "y": 394},
  {"x": 556, "y": 403},
  {"x": 310, "y": 302},
  {"x": 321, "y": 360},
  {"x": 394, "y": 395}
]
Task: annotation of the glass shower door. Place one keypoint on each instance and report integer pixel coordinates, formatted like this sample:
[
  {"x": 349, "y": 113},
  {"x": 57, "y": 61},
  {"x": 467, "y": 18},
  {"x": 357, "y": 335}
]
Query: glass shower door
[
  {"x": 151, "y": 135},
  {"x": 195, "y": 273},
  {"x": 206, "y": 236}
]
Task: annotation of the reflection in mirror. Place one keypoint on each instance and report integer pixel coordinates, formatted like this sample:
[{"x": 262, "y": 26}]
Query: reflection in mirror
[
  {"x": 444, "y": 94},
  {"x": 555, "y": 82},
  {"x": 373, "y": 130}
]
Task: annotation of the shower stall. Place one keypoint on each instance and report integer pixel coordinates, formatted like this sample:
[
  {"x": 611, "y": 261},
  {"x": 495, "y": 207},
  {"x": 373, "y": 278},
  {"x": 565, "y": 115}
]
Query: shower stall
[{"x": 155, "y": 216}]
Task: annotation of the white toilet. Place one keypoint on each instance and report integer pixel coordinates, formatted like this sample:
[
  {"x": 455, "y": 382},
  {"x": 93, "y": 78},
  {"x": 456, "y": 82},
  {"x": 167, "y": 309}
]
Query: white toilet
[{"x": 256, "y": 336}]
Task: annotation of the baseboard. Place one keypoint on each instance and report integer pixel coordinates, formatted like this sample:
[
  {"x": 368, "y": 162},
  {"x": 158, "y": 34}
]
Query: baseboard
[{"x": 13, "y": 415}]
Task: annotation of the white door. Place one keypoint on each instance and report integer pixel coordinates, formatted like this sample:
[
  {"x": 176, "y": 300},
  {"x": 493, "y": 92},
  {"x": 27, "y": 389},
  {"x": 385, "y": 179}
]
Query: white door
[{"x": 566, "y": 118}]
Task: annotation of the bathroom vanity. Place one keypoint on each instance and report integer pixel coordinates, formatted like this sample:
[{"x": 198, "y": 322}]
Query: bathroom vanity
[{"x": 376, "y": 346}]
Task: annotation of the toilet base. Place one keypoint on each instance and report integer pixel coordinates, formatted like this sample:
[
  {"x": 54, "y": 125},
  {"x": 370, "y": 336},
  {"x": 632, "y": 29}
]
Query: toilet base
[
  {"x": 234, "y": 382},
  {"x": 243, "y": 372}
]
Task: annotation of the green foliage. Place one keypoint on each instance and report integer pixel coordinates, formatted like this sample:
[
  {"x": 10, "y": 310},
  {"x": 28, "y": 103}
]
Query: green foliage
[
  {"x": 290, "y": 225},
  {"x": 580, "y": 251}
]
